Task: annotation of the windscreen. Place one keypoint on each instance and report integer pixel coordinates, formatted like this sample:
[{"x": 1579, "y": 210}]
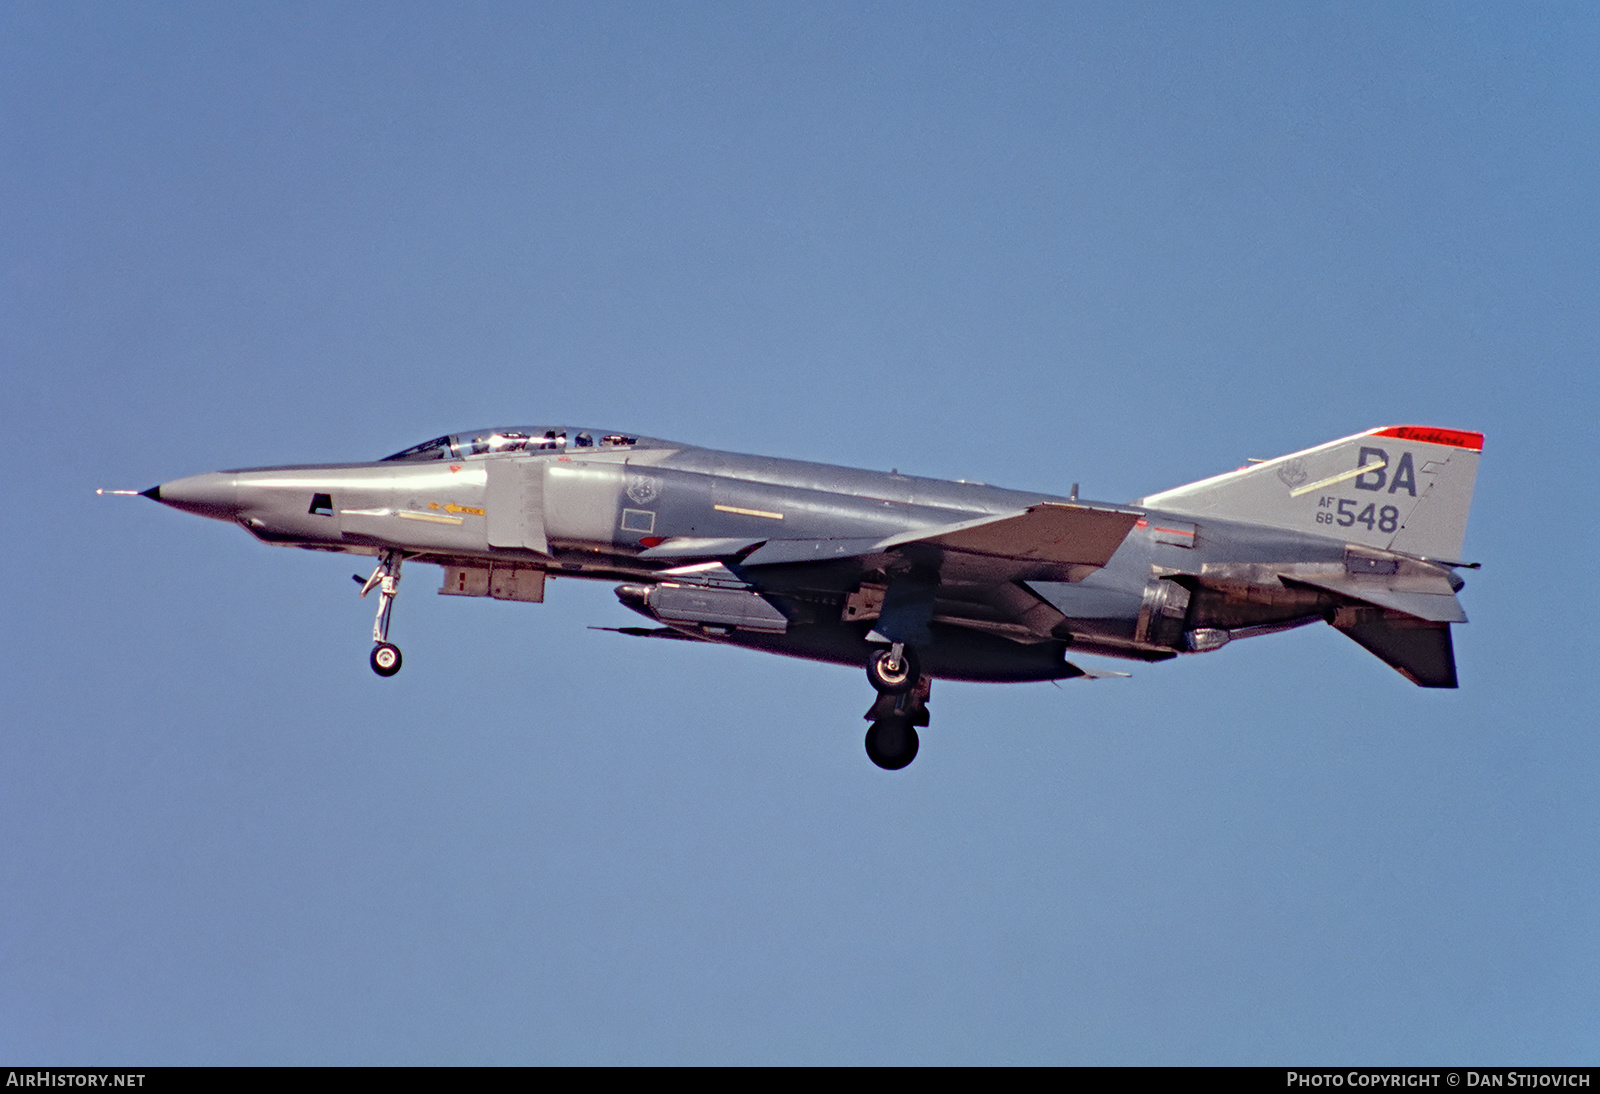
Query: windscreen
[{"x": 513, "y": 438}]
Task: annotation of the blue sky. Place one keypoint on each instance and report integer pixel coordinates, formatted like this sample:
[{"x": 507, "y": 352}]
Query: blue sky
[{"x": 1026, "y": 244}]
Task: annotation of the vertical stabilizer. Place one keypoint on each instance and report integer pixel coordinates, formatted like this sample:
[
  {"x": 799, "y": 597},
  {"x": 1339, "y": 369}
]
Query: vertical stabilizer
[{"x": 1400, "y": 488}]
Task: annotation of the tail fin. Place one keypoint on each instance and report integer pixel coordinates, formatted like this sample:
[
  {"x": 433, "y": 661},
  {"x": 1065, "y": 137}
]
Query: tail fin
[{"x": 1401, "y": 488}]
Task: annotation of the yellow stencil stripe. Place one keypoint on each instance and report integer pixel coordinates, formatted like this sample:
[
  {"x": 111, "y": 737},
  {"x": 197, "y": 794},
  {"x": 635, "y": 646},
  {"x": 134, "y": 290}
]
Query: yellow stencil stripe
[
  {"x": 1343, "y": 475},
  {"x": 433, "y": 518},
  {"x": 748, "y": 512}
]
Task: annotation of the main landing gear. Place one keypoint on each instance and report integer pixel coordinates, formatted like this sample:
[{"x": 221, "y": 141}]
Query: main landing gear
[
  {"x": 901, "y": 706},
  {"x": 385, "y": 655},
  {"x": 892, "y": 743}
]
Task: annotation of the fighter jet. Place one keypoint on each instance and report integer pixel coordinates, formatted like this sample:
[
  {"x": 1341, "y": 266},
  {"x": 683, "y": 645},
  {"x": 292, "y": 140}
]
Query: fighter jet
[{"x": 913, "y": 579}]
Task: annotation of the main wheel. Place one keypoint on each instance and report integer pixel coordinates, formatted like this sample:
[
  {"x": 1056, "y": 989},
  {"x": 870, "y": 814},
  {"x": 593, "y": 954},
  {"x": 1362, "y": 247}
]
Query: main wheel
[
  {"x": 892, "y": 743},
  {"x": 385, "y": 659},
  {"x": 891, "y": 675}
]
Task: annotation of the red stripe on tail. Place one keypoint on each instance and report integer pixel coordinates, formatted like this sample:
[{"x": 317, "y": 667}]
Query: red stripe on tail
[{"x": 1455, "y": 438}]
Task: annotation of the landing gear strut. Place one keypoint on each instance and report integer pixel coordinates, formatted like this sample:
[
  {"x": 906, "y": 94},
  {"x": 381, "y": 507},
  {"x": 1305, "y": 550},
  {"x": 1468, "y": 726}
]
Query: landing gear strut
[
  {"x": 385, "y": 656},
  {"x": 892, "y": 741}
]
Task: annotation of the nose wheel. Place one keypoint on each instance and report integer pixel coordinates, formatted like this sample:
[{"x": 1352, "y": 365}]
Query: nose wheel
[{"x": 385, "y": 657}]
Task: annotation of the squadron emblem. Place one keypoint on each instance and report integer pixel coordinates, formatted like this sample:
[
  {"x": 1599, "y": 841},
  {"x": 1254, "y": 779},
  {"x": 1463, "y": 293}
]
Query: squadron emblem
[
  {"x": 1293, "y": 473},
  {"x": 643, "y": 489}
]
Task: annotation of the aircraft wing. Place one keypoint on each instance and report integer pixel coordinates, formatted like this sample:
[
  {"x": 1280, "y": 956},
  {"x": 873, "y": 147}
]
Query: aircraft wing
[
  {"x": 1057, "y": 533},
  {"x": 1077, "y": 535},
  {"x": 965, "y": 573}
]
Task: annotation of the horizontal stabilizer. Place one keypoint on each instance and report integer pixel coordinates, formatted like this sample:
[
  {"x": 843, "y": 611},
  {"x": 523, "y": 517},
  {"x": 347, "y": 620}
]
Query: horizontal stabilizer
[
  {"x": 1436, "y": 605},
  {"x": 1418, "y": 649}
]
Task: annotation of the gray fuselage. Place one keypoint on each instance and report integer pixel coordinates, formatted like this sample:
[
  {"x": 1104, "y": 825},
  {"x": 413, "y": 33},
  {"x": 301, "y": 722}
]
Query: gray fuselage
[{"x": 801, "y": 535}]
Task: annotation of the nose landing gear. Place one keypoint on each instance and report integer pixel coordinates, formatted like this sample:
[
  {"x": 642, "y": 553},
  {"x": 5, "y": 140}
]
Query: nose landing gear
[{"x": 385, "y": 657}]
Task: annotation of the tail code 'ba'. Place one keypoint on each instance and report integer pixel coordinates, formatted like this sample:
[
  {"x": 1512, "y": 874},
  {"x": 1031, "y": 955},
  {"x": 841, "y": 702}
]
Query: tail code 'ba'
[{"x": 1403, "y": 488}]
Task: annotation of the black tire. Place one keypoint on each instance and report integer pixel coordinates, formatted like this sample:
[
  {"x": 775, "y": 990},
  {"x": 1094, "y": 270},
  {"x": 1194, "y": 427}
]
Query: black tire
[
  {"x": 890, "y": 677},
  {"x": 385, "y": 659},
  {"x": 892, "y": 743}
]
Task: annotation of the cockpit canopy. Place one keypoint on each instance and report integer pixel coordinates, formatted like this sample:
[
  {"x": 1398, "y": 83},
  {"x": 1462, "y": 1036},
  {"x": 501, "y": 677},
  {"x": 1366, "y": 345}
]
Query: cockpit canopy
[{"x": 513, "y": 438}]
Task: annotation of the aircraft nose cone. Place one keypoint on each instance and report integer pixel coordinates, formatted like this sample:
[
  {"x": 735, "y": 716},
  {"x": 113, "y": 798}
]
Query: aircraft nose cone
[{"x": 214, "y": 494}]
